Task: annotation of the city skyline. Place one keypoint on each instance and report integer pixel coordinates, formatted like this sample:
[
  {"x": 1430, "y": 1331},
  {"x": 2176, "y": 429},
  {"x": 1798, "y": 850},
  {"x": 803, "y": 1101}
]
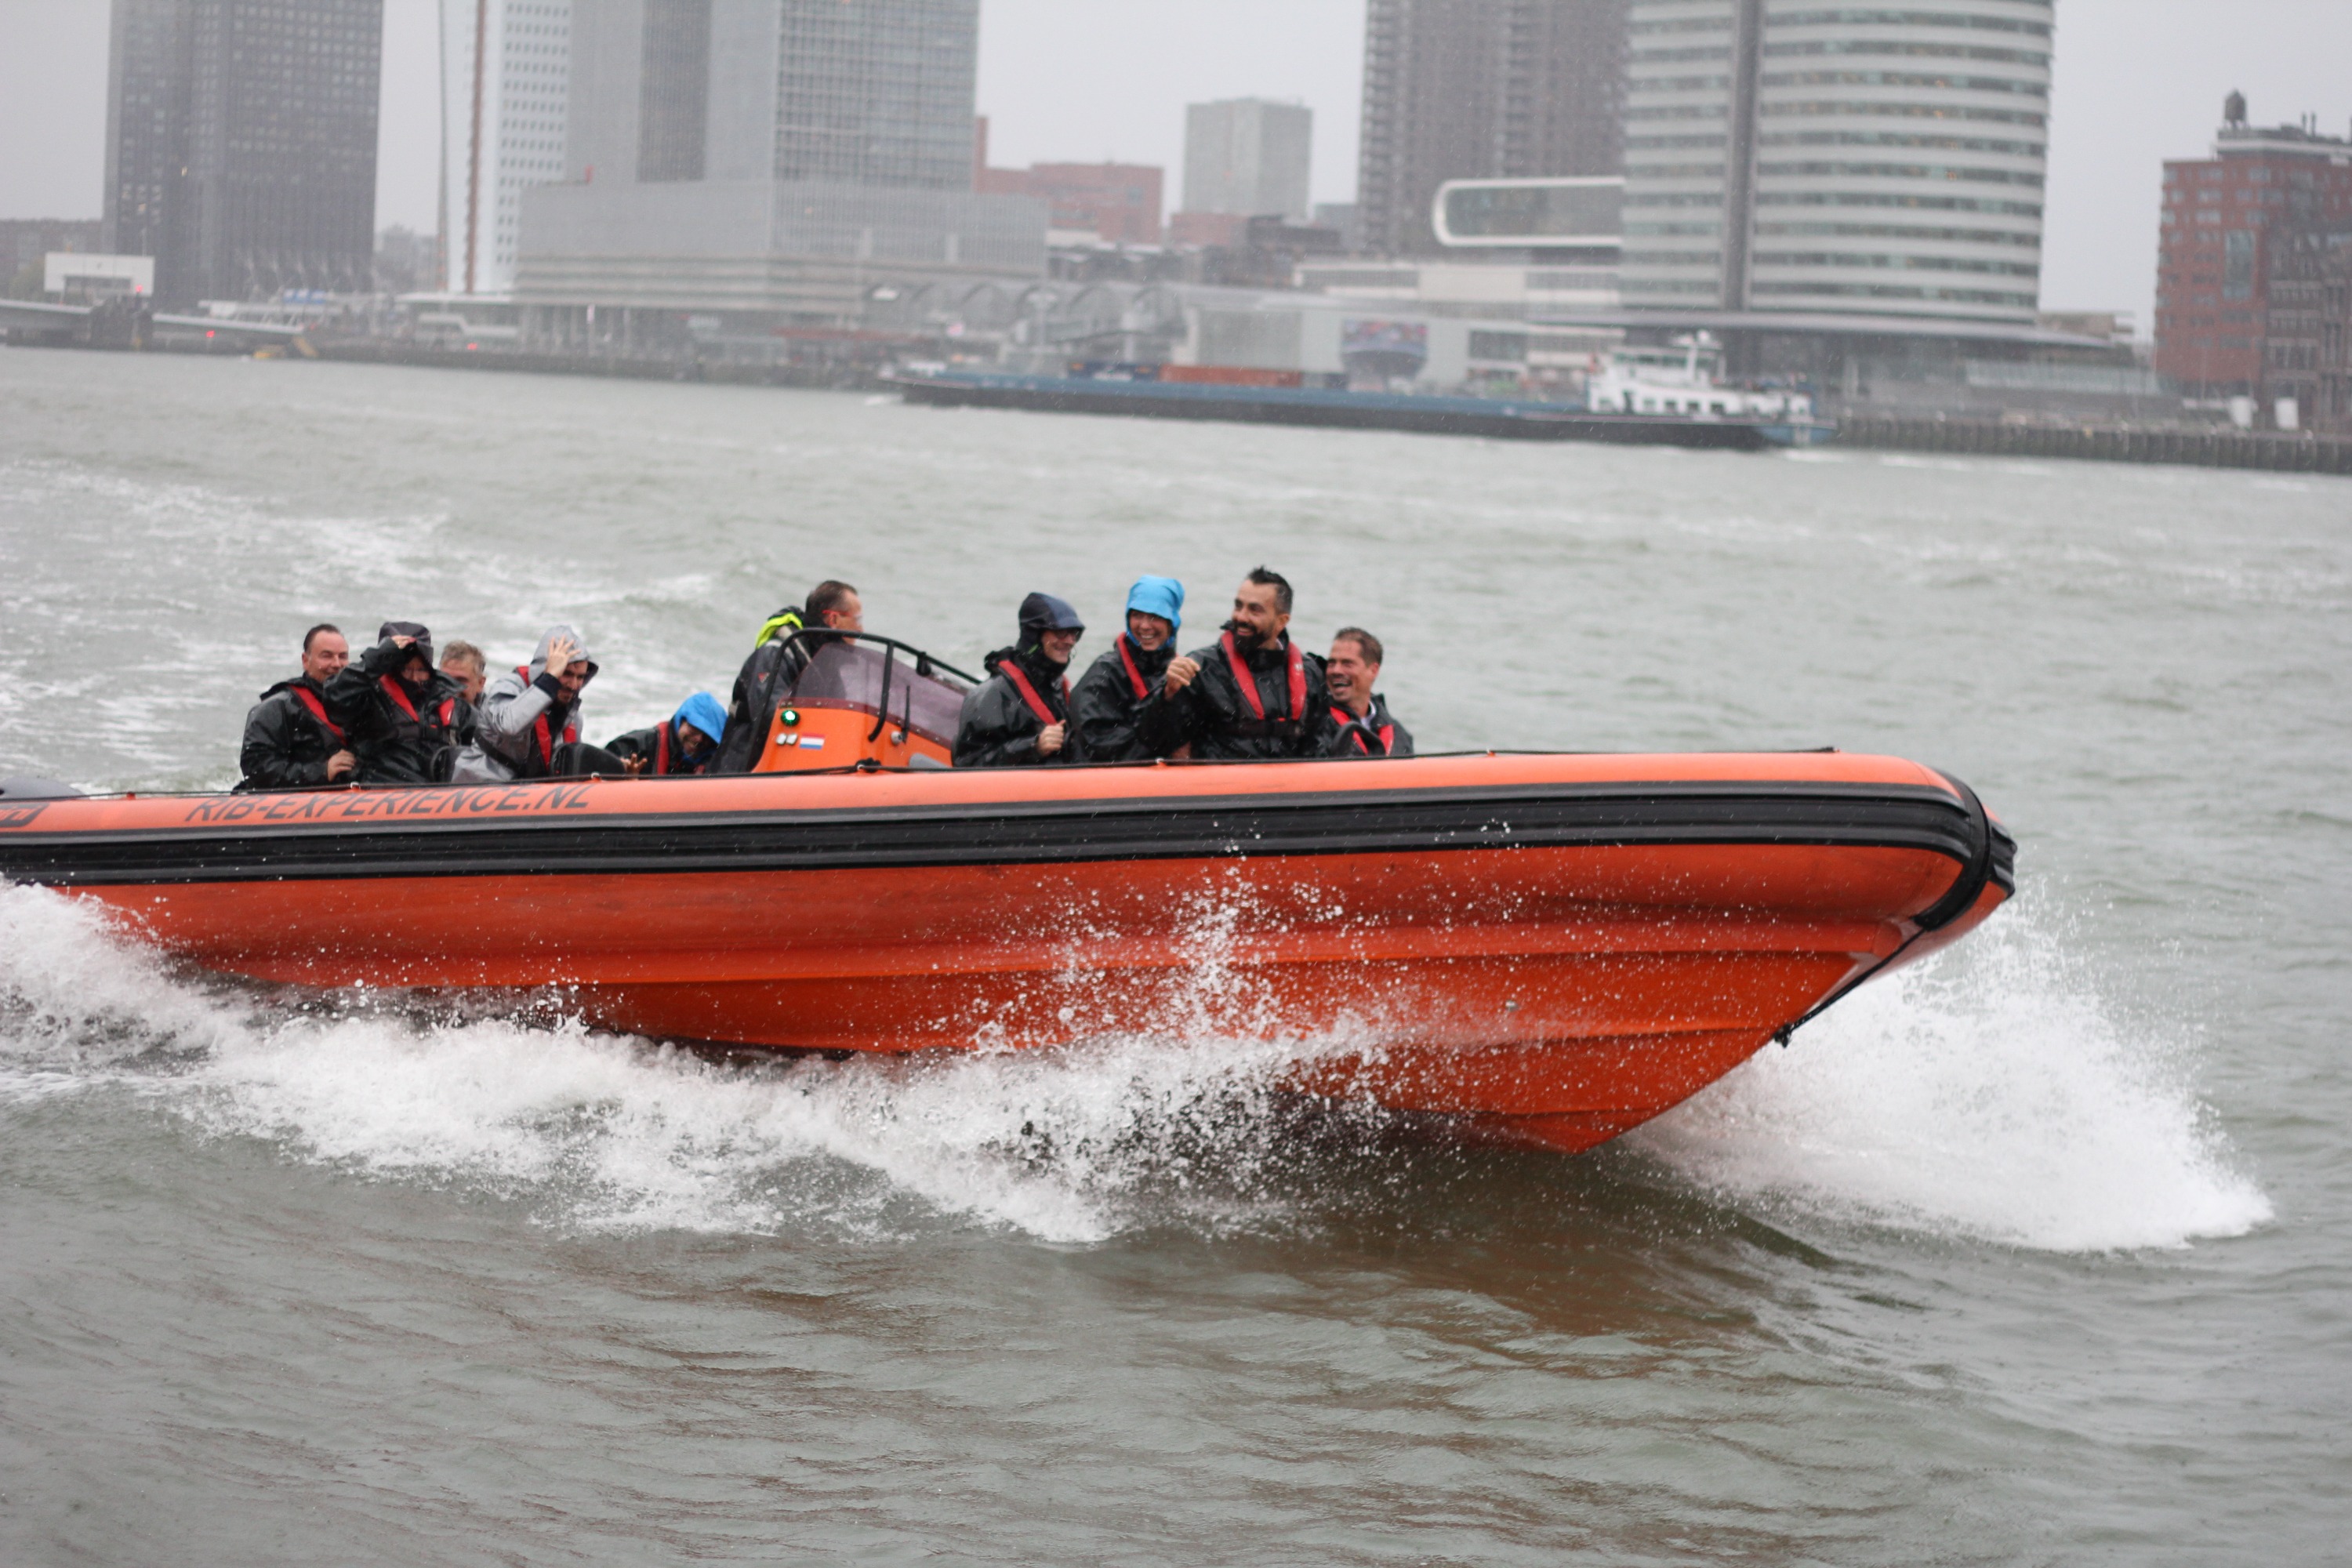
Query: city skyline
[{"x": 2138, "y": 81}]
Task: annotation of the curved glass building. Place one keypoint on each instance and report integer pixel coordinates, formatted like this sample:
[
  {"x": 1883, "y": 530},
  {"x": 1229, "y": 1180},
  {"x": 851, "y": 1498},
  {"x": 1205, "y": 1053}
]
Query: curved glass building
[{"x": 1801, "y": 156}]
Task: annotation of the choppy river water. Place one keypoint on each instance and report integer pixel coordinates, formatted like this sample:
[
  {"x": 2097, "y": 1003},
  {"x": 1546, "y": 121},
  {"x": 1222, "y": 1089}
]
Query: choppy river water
[{"x": 2041, "y": 1254}]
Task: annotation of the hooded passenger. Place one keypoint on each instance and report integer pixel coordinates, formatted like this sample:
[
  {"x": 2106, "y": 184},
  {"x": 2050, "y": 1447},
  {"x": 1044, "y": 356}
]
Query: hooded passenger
[
  {"x": 778, "y": 656},
  {"x": 1255, "y": 695},
  {"x": 296, "y": 736},
  {"x": 529, "y": 726},
  {"x": 1022, "y": 714},
  {"x": 686, "y": 743},
  {"x": 408, "y": 719},
  {"x": 1120, "y": 709}
]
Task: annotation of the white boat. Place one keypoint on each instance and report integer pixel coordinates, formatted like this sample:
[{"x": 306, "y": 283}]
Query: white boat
[{"x": 1684, "y": 379}]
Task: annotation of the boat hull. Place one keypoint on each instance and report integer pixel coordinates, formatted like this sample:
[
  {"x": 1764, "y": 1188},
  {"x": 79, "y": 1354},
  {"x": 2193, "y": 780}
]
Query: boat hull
[
  {"x": 1556, "y": 948},
  {"x": 1420, "y": 414}
]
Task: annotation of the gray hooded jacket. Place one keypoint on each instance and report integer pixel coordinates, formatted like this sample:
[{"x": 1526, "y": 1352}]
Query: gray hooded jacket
[{"x": 506, "y": 724}]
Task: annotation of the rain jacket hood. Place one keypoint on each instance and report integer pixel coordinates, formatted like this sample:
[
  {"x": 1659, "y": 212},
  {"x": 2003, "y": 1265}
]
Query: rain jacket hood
[
  {"x": 1161, "y": 596},
  {"x": 547, "y": 641},
  {"x": 702, "y": 712}
]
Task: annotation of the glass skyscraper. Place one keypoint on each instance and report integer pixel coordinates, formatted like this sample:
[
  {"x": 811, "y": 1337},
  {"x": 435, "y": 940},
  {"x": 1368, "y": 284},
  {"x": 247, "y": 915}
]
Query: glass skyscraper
[{"x": 241, "y": 144}]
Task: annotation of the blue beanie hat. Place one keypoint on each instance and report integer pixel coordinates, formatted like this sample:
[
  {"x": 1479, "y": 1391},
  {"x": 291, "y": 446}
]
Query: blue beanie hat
[
  {"x": 1161, "y": 596},
  {"x": 702, "y": 712}
]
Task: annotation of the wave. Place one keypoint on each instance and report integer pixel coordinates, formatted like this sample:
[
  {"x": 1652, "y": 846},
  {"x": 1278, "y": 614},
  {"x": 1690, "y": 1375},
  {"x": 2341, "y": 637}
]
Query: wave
[{"x": 1987, "y": 1095}]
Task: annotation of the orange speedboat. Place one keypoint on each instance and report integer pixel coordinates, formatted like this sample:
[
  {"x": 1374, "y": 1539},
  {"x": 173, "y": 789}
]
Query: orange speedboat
[{"x": 1558, "y": 947}]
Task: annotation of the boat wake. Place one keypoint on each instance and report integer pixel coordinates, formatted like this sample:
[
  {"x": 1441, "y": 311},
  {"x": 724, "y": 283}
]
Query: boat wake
[
  {"x": 1988, "y": 1093},
  {"x": 1988, "y": 1096}
]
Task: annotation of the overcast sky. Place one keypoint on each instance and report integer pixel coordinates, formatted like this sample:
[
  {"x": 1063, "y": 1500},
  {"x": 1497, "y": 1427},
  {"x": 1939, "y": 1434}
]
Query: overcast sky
[{"x": 2138, "y": 81}]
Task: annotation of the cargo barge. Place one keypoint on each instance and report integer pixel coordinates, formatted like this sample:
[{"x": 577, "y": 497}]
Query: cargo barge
[{"x": 1270, "y": 402}]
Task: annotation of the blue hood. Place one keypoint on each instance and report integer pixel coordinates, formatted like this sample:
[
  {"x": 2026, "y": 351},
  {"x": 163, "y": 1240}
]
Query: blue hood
[
  {"x": 702, "y": 712},
  {"x": 1161, "y": 596}
]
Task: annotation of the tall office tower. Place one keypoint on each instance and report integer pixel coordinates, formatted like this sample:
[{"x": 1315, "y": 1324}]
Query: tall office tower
[
  {"x": 506, "y": 66},
  {"x": 1249, "y": 157},
  {"x": 878, "y": 93},
  {"x": 240, "y": 148},
  {"x": 767, "y": 160},
  {"x": 1780, "y": 155},
  {"x": 1482, "y": 89}
]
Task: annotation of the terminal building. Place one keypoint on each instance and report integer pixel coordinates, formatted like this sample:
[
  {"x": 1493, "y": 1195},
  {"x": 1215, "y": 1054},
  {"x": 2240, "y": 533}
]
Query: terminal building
[{"x": 736, "y": 168}]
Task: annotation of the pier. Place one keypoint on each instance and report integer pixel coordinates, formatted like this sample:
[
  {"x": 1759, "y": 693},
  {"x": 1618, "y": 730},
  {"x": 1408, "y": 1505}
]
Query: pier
[{"x": 2279, "y": 451}]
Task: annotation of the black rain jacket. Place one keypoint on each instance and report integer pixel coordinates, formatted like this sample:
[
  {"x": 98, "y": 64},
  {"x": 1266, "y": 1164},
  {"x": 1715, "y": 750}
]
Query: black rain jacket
[
  {"x": 765, "y": 677},
  {"x": 286, "y": 746},
  {"x": 1118, "y": 725},
  {"x": 1222, "y": 725},
  {"x": 1376, "y": 734},
  {"x": 398, "y": 741},
  {"x": 657, "y": 743},
  {"x": 999, "y": 729}
]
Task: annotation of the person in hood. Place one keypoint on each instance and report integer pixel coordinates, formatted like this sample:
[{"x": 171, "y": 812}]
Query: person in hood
[
  {"x": 686, "y": 743},
  {"x": 1366, "y": 727},
  {"x": 408, "y": 719},
  {"x": 529, "y": 726},
  {"x": 1119, "y": 706},
  {"x": 294, "y": 737},
  {"x": 778, "y": 657},
  {"x": 1021, "y": 716},
  {"x": 1257, "y": 696}
]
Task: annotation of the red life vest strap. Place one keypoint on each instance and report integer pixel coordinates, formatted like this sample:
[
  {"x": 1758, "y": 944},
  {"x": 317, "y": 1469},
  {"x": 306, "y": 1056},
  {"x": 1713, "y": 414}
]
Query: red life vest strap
[
  {"x": 309, "y": 698},
  {"x": 661, "y": 750},
  {"x": 543, "y": 731},
  {"x": 1346, "y": 721},
  {"x": 1247, "y": 681},
  {"x": 398, "y": 691},
  {"x": 1134, "y": 676},
  {"x": 1011, "y": 670}
]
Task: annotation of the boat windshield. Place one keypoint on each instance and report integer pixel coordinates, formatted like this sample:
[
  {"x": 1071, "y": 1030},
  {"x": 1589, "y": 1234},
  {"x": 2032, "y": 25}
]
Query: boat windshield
[{"x": 864, "y": 675}]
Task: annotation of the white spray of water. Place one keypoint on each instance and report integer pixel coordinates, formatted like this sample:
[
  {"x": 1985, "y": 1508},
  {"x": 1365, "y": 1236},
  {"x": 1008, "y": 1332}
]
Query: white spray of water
[
  {"x": 1988, "y": 1093},
  {"x": 1988, "y": 1096}
]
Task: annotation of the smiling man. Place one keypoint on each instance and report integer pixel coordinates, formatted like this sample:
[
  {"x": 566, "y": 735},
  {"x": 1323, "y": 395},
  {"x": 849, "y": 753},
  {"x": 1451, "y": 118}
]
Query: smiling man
[
  {"x": 1256, "y": 695},
  {"x": 296, "y": 736},
  {"x": 1367, "y": 728}
]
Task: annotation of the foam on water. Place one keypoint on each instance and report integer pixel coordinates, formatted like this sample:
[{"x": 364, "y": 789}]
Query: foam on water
[{"x": 1987, "y": 1095}]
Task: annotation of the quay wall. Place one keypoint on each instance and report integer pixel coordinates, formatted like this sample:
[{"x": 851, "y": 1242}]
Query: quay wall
[{"x": 2218, "y": 449}]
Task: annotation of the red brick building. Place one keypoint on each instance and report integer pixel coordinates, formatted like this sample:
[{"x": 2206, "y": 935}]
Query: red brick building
[
  {"x": 1118, "y": 203},
  {"x": 2244, "y": 237}
]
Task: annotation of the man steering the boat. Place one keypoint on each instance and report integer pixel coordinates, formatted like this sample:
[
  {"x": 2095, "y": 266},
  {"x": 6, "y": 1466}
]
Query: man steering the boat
[
  {"x": 775, "y": 663},
  {"x": 1254, "y": 695},
  {"x": 1021, "y": 717},
  {"x": 1119, "y": 706},
  {"x": 1367, "y": 728}
]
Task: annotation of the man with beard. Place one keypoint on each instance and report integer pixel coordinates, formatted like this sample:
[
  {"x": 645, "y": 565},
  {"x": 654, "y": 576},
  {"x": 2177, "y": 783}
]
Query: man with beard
[
  {"x": 528, "y": 727},
  {"x": 1121, "y": 712},
  {"x": 1257, "y": 696},
  {"x": 1022, "y": 715},
  {"x": 408, "y": 719},
  {"x": 294, "y": 737},
  {"x": 1367, "y": 728}
]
